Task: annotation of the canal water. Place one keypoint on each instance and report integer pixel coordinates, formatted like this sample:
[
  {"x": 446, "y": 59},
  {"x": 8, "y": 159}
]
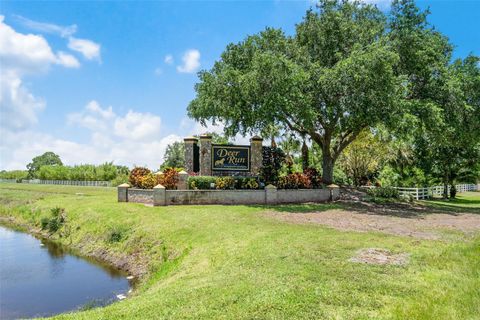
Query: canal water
[{"x": 39, "y": 278}]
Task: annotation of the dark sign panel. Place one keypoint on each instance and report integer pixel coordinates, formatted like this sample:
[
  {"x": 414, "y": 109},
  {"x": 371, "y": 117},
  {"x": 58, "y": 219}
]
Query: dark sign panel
[{"x": 232, "y": 158}]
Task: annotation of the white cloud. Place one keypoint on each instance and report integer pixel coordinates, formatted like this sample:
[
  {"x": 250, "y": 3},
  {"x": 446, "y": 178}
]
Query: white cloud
[
  {"x": 24, "y": 53},
  {"x": 47, "y": 27},
  {"x": 67, "y": 60},
  {"x": 191, "y": 61},
  {"x": 94, "y": 107},
  {"x": 168, "y": 59},
  {"x": 131, "y": 139},
  {"x": 93, "y": 117},
  {"x": 18, "y": 107},
  {"x": 158, "y": 71},
  {"x": 137, "y": 125},
  {"x": 89, "y": 49},
  {"x": 20, "y": 55}
]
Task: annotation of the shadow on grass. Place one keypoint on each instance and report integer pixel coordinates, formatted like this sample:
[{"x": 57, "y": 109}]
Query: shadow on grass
[
  {"x": 450, "y": 207},
  {"x": 394, "y": 209},
  {"x": 300, "y": 208},
  {"x": 458, "y": 202}
]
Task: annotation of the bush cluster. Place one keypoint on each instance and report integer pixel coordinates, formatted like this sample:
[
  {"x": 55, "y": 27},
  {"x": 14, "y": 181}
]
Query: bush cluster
[
  {"x": 314, "y": 177},
  {"x": 295, "y": 180},
  {"x": 116, "y": 234},
  {"x": 120, "y": 179},
  {"x": 143, "y": 178},
  {"x": 169, "y": 178},
  {"x": 222, "y": 183},
  {"x": 14, "y": 174},
  {"x": 84, "y": 172},
  {"x": 383, "y": 192},
  {"x": 148, "y": 181},
  {"x": 55, "y": 221},
  {"x": 248, "y": 183},
  {"x": 272, "y": 161},
  {"x": 136, "y": 176},
  {"x": 200, "y": 182}
]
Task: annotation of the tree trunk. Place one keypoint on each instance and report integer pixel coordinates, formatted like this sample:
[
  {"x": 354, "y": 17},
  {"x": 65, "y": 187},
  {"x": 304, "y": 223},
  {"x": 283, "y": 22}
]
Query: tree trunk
[
  {"x": 327, "y": 164},
  {"x": 305, "y": 156},
  {"x": 273, "y": 144},
  {"x": 445, "y": 187}
]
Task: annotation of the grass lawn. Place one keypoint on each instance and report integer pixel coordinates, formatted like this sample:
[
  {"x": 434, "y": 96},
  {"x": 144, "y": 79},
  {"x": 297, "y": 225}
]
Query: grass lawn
[
  {"x": 235, "y": 262},
  {"x": 462, "y": 200}
]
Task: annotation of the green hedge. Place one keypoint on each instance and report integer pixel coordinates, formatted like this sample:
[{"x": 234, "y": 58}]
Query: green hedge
[
  {"x": 205, "y": 182},
  {"x": 201, "y": 182},
  {"x": 383, "y": 192}
]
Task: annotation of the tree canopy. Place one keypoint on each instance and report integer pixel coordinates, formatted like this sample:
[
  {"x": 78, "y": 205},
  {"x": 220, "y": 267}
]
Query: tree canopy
[
  {"x": 347, "y": 68},
  {"x": 174, "y": 156},
  {"x": 332, "y": 79},
  {"x": 47, "y": 159}
]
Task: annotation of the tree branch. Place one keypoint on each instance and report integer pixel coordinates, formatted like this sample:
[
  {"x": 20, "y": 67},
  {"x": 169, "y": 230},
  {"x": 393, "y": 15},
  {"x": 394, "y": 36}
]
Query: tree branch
[{"x": 344, "y": 141}]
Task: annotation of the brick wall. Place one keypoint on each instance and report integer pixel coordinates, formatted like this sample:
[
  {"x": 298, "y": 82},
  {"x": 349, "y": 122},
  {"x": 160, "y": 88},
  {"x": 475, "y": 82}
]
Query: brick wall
[{"x": 270, "y": 195}]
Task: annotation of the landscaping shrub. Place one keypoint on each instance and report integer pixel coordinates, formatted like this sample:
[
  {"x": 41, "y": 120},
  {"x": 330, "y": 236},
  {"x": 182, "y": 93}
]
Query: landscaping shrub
[
  {"x": 224, "y": 183},
  {"x": 136, "y": 176},
  {"x": 272, "y": 161},
  {"x": 246, "y": 183},
  {"x": 169, "y": 178},
  {"x": 294, "y": 181},
  {"x": 200, "y": 182},
  {"x": 148, "y": 181},
  {"x": 314, "y": 177},
  {"x": 383, "y": 192}
]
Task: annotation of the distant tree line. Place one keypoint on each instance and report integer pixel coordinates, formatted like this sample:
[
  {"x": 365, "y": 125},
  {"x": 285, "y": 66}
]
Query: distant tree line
[{"x": 49, "y": 166}]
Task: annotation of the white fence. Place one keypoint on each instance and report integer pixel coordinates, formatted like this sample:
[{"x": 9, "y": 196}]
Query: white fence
[
  {"x": 430, "y": 192},
  {"x": 71, "y": 183},
  {"x": 8, "y": 180}
]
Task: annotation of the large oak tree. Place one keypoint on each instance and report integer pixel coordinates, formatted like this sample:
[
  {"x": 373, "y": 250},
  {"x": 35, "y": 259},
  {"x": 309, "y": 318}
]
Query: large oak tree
[{"x": 331, "y": 80}]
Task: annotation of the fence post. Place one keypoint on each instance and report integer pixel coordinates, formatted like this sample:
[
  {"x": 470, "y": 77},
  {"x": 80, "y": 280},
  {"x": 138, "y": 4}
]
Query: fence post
[
  {"x": 271, "y": 194},
  {"x": 334, "y": 191},
  {"x": 159, "y": 195},
  {"x": 123, "y": 192},
  {"x": 416, "y": 190}
]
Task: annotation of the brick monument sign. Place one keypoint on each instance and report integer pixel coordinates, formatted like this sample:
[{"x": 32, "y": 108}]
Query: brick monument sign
[{"x": 207, "y": 159}]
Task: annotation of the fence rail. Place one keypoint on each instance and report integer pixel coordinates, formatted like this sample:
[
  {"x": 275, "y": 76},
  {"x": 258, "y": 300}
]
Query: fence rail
[
  {"x": 8, "y": 180},
  {"x": 70, "y": 183},
  {"x": 430, "y": 192}
]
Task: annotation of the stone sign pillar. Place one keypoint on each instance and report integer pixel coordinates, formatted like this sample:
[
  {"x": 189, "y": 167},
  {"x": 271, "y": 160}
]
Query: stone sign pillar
[
  {"x": 190, "y": 143},
  {"x": 205, "y": 155},
  {"x": 182, "y": 180},
  {"x": 123, "y": 192},
  {"x": 256, "y": 157}
]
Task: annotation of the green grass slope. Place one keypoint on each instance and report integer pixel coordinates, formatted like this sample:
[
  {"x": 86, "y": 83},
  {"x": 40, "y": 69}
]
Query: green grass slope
[{"x": 234, "y": 262}]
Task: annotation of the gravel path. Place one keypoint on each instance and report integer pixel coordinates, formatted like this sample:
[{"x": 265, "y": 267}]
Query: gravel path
[{"x": 403, "y": 220}]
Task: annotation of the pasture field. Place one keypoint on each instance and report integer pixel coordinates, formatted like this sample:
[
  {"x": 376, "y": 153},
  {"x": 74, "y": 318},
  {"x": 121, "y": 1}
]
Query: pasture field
[{"x": 259, "y": 262}]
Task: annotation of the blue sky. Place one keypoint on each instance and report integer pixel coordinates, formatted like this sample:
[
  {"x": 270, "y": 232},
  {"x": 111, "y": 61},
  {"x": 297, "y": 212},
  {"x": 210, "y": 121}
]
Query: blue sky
[{"x": 100, "y": 81}]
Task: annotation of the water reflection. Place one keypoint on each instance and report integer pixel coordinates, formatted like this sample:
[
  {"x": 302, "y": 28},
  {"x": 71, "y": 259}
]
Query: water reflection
[{"x": 41, "y": 278}]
